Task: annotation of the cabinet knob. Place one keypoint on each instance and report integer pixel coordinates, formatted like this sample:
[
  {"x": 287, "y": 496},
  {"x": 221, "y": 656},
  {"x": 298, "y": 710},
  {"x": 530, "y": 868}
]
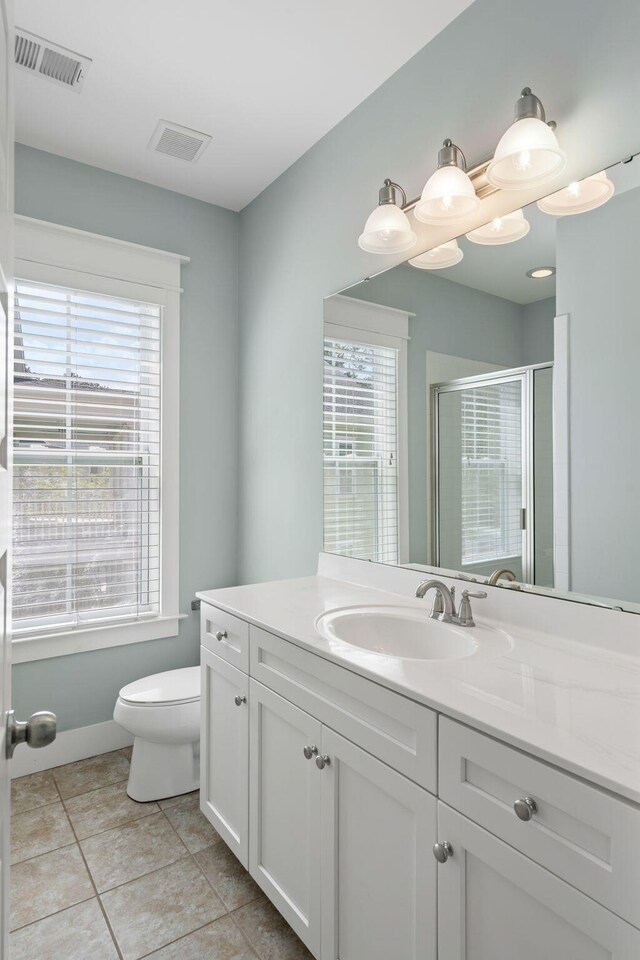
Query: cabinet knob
[
  {"x": 525, "y": 808},
  {"x": 310, "y": 752},
  {"x": 323, "y": 761},
  {"x": 442, "y": 851},
  {"x": 221, "y": 635},
  {"x": 238, "y": 700}
]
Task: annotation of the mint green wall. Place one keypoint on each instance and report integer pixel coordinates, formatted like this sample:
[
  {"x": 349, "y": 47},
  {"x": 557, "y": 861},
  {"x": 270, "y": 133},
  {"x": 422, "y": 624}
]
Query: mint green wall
[
  {"x": 82, "y": 688},
  {"x": 598, "y": 288},
  {"x": 537, "y": 331},
  {"x": 298, "y": 238}
]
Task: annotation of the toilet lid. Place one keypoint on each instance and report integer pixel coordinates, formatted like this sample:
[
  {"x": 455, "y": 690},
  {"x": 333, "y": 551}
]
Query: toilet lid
[{"x": 173, "y": 686}]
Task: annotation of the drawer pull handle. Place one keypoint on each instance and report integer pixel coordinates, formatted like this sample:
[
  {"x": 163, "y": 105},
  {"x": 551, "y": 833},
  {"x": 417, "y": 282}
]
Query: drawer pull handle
[
  {"x": 310, "y": 752},
  {"x": 238, "y": 700},
  {"x": 323, "y": 761},
  {"x": 221, "y": 635},
  {"x": 442, "y": 851},
  {"x": 525, "y": 808}
]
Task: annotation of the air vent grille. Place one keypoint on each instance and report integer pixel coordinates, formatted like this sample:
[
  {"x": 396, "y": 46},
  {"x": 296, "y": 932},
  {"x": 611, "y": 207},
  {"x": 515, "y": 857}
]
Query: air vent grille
[
  {"x": 180, "y": 142},
  {"x": 51, "y": 61}
]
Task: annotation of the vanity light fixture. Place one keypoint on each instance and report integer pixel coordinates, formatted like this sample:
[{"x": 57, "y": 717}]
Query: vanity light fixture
[
  {"x": 449, "y": 195},
  {"x": 541, "y": 273},
  {"x": 387, "y": 229},
  {"x": 528, "y": 152},
  {"x": 579, "y": 196},
  {"x": 445, "y": 255},
  {"x": 507, "y": 229}
]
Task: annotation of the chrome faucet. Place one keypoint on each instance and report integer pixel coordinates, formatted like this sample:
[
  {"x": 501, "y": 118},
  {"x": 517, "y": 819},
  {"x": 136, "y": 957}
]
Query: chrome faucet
[
  {"x": 501, "y": 574},
  {"x": 443, "y": 608}
]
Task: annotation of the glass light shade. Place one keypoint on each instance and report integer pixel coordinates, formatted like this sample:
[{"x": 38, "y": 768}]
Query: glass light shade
[
  {"x": 507, "y": 229},
  {"x": 387, "y": 231},
  {"x": 446, "y": 255},
  {"x": 527, "y": 154},
  {"x": 579, "y": 197},
  {"x": 448, "y": 196}
]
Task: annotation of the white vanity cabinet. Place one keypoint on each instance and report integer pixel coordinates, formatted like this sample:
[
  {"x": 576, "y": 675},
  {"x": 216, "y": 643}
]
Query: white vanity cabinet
[
  {"x": 496, "y": 904},
  {"x": 334, "y": 790}
]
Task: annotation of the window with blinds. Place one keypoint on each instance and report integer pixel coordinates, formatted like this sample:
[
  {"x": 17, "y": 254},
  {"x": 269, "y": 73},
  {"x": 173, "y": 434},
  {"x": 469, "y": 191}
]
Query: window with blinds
[
  {"x": 86, "y": 454},
  {"x": 360, "y": 450},
  {"x": 491, "y": 431}
]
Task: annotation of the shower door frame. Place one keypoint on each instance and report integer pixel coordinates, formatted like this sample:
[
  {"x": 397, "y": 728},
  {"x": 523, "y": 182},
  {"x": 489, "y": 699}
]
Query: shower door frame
[{"x": 526, "y": 376}]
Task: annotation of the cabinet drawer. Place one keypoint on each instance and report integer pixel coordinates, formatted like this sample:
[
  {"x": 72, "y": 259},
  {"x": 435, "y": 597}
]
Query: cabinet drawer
[
  {"x": 227, "y": 636},
  {"x": 579, "y": 832},
  {"x": 393, "y": 728}
]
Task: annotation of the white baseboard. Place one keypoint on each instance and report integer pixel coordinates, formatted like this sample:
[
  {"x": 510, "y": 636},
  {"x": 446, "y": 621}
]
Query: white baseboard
[{"x": 70, "y": 745}]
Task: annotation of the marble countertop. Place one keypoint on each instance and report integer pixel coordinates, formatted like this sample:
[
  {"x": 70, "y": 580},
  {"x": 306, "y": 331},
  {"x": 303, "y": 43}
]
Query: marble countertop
[{"x": 576, "y": 705}]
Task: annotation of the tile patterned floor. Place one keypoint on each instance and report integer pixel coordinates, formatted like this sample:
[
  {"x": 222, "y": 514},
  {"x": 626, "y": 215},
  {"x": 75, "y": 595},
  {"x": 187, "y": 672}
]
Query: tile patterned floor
[{"x": 96, "y": 876}]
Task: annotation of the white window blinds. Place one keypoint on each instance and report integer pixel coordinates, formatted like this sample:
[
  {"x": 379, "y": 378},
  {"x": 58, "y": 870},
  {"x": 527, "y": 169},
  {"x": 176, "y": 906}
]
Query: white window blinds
[
  {"x": 86, "y": 458},
  {"x": 491, "y": 472},
  {"x": 360, "y": 450}
]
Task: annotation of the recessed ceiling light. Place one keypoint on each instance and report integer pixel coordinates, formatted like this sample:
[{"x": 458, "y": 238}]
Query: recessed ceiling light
[{"x": 539, "y": 273}]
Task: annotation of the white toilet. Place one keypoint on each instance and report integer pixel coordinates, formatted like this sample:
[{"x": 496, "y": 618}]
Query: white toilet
[{"x": 163, "y": 714}]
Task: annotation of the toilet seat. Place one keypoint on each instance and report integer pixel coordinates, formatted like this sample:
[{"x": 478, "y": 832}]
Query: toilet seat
[{"x": 164, "y": 689}]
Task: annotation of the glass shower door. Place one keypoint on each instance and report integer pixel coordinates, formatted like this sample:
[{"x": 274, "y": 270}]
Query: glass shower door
[{"x": 480, "y": 478}]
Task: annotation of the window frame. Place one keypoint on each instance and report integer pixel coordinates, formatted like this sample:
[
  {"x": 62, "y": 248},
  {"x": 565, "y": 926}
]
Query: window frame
[
  {"x": 375, "y": 324},
  {"x": 64, "y": 256}
]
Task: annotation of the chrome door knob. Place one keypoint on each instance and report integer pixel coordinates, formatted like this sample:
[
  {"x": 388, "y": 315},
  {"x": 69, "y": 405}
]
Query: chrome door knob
[
  {"x": 38, "y": 731},
  {"x": 221, "y": 635},
  {"x": 442, "y": 851},
  {"x": 310, "y": 752},
  {"x": 238, "y": 700},
  {"x": 525, "y": 808},
  {"x": 323, "y": 761}
]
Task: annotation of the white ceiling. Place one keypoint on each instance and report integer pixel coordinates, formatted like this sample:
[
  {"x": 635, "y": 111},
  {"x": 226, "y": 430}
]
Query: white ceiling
[{"x": 265, "y": 80}]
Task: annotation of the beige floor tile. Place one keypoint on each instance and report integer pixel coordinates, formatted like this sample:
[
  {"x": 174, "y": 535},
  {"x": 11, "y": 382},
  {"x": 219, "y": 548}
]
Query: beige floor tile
[
  {"x": 190, "y": 823},
  {"x": 220, "y": 940},
  {"x": 227, "y": 876},
  {"x": 47, "y": 884},
  {"x": 172, "y": 801},
  {"x": 104, "y": 809},
  {"x": 127, "y": 751},
  {"x": 270, "y": 936},
  {"x": 33, "y": 791},
  {"x": 155, "y": 910},
  {"x": 79, "y": 933},
  {"x": 120, "y": 855},
  {"x": 40, "y": 830},
  {"x": 83, "y": 775}
]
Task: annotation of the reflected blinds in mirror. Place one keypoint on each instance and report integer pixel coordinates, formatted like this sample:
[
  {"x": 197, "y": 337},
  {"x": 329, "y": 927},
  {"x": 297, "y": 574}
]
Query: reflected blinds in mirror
[
  {"x": 361, "y": 450},
  {"x": 86, "y": 458}
]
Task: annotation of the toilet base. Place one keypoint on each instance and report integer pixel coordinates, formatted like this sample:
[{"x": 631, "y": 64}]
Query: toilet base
[{"x": 161, "y": 770}]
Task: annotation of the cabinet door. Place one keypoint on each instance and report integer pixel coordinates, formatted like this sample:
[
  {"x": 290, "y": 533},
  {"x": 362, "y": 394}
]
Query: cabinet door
[
  {"x": 378, "y": 872},
  {"x": 284, "y": 810},
  {"x": 224, "y": 752},
  {"x": 496, "y": 904}
]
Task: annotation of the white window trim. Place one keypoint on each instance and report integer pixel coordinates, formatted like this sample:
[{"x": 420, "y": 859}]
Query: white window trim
[
  {"x": 49, "y": 253},
  {"x": 379, "y": 325}
]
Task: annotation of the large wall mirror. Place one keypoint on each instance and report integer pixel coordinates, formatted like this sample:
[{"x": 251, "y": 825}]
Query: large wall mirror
[{"x": 481, "y": 404}]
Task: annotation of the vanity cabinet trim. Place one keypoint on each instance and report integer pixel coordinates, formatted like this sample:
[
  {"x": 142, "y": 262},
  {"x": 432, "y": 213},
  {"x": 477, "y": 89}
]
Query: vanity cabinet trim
[
  {"x": 231, "y": 761},
  {"x": 225, "y": 635},
  {"x": 584, "y": 835},
  {"x": 608, "y": 931},
  {"x": 388, "y": 725}
]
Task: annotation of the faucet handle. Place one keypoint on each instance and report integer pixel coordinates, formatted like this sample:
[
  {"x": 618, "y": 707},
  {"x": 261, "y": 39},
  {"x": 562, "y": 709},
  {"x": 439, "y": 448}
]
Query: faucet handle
[{"x": 473, "y": 596}]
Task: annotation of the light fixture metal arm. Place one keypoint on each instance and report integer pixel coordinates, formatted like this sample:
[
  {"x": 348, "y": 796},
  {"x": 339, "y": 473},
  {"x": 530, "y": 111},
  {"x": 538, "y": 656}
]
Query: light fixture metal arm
[{"x": 387, "y": 193}]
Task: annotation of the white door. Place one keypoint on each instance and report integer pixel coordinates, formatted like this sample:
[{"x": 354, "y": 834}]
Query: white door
[
  {"x": 224, "y": 752},
  {"x": 6, "y": 289},
  {"x": 378, "y": 874},
  {"x": 284, "y": 809},
  {"x": 496, "y": 904}
]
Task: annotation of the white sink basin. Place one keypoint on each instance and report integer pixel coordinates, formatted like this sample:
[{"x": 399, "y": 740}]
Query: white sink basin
[{"x": 408, "y": 633}]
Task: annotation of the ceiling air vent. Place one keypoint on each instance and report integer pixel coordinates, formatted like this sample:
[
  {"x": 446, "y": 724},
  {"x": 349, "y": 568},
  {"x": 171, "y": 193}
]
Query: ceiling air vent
[
  {"x": 177, "y": 141},
  {"x": 46, "y": 59}
]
